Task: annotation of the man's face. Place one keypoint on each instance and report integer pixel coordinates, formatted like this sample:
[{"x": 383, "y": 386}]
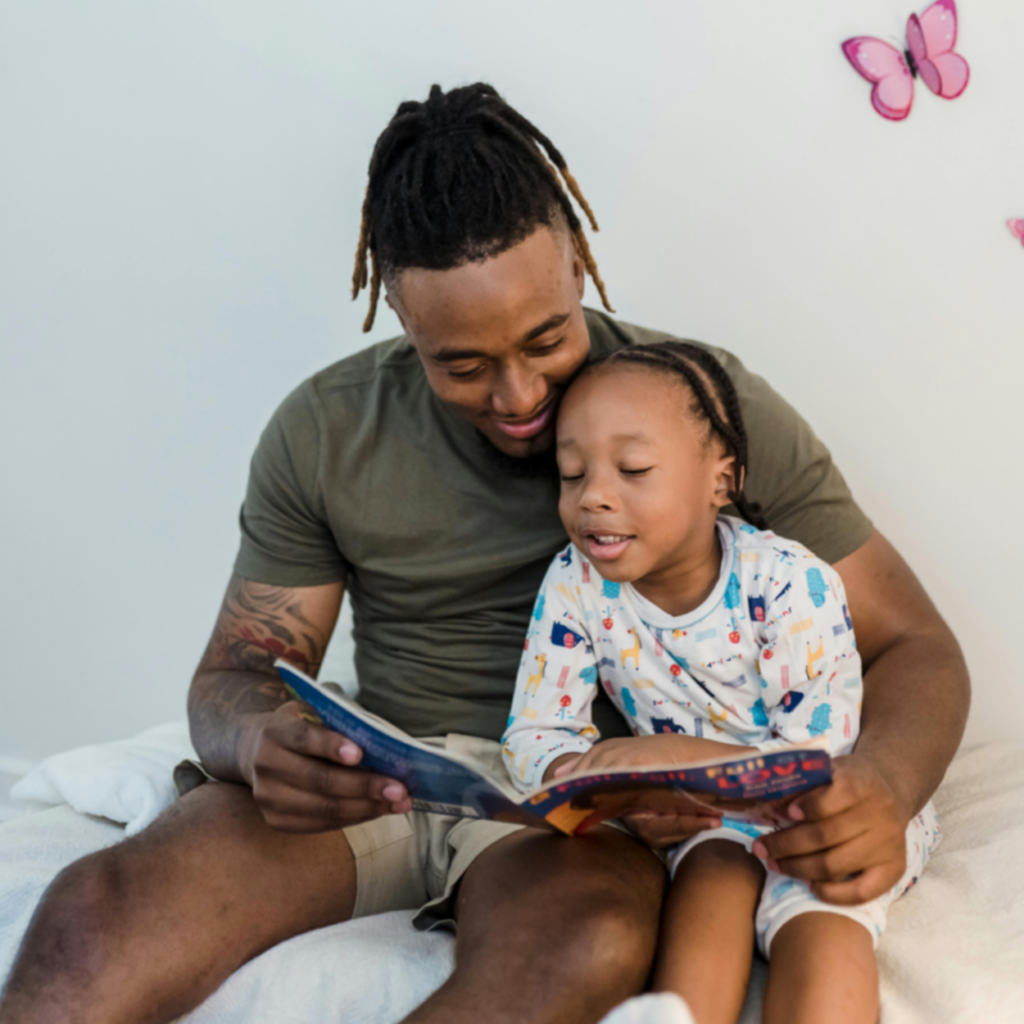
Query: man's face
[{"x": 499, "y": 339}]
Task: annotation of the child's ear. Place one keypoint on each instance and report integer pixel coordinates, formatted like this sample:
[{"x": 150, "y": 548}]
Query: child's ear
[{"x": 725, "y": 481}]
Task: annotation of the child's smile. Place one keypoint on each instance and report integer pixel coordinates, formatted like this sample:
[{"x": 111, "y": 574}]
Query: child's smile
[{"x": 602, "y": 546}]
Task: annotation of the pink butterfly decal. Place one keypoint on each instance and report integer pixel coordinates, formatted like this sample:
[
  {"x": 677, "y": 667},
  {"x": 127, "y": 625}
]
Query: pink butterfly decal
[
  {"x": 1017, "y": 229},
  {"x": 929, "y": 53}
]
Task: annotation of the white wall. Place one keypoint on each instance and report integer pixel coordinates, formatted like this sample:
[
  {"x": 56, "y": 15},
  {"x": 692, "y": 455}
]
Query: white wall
[{"x": 179, "y": 194}]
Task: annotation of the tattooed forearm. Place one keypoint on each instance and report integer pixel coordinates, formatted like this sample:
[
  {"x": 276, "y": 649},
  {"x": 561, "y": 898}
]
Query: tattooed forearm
[
  {"x": 259, "y": 623},
  {"x": 256, "y": 625},
  {"x": 217, "y": 708}
]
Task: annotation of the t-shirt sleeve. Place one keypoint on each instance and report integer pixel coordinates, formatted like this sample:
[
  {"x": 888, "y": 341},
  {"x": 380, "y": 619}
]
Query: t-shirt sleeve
[
  {"x": 556, "y": 684},
  {"x": 809, "y": 666},
  {"x": 791, "y": 473},
  {"x": 286, "y": 538}
]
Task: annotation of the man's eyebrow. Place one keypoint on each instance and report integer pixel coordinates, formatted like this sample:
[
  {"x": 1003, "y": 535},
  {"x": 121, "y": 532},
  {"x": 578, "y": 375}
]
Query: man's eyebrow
[
  {"x": 453, "y": 355},
  {"x": 552, "y": 321}
]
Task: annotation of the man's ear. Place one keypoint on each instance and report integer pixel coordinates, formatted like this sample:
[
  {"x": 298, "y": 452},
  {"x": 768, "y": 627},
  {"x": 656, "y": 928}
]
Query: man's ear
[
  {"x": 725, "y": 481},
  {"x": 579, "y": 272},
  {"x": 396, "y": 307}
]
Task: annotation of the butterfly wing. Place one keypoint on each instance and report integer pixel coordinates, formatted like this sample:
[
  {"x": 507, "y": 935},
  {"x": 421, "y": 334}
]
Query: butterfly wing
[
  {"x": 882, "y": 65},
  {"x": 1017, "y": 229},
  {"x": 931, "y": 39}
]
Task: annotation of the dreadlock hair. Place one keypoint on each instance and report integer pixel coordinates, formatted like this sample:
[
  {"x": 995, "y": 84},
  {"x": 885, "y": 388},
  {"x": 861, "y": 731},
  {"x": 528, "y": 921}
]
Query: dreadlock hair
[
  {"x": 714, "y": 401},
  {"x": 459, "y": 178}
]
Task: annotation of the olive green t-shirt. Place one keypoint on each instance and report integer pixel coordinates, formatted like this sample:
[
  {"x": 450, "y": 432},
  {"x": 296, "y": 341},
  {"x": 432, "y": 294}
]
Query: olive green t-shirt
[{"x": 364, "y": 476}]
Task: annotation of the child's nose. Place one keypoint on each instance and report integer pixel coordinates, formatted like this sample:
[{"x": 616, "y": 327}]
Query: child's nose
[{"x": 597, "y": 496}]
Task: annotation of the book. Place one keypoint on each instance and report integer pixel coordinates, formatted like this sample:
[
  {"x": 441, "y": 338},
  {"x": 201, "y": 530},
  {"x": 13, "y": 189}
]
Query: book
[{"x": 752, "y": 787}]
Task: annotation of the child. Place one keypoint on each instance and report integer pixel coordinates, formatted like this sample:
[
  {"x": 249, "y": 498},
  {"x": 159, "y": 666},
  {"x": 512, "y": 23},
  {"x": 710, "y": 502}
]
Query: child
[{"x": 705, "y": 631}]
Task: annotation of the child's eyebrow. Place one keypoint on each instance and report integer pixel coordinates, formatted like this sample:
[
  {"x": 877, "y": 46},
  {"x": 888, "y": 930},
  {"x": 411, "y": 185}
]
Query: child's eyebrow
[{"x": 568, "y": 442}]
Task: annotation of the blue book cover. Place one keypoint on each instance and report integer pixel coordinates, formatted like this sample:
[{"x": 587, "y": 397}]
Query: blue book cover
[{"x": 751, "y": 786}]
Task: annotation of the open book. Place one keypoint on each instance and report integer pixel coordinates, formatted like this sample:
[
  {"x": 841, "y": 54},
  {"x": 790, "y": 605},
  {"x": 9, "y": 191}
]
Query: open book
[{"x": 753, "y": 786}]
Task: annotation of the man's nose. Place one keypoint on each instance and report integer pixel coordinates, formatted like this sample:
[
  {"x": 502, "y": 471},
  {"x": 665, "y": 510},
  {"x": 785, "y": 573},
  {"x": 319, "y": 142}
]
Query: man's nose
[{"x": 519, "y": 392}]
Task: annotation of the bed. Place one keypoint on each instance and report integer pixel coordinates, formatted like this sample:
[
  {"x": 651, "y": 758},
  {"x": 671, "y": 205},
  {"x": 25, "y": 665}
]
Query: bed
[{"x": 954, "y": 951}]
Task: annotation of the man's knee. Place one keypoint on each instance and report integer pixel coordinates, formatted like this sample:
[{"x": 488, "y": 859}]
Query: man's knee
[
  {"x": 79, "y": 913},
  {"x": 614, "y": 940},
  {"x": 587, "y": 907}
]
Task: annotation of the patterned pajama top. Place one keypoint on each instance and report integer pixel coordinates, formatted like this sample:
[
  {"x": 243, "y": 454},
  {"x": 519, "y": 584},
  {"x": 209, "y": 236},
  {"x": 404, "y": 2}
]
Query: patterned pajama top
[{"x": 769, "y": 659}]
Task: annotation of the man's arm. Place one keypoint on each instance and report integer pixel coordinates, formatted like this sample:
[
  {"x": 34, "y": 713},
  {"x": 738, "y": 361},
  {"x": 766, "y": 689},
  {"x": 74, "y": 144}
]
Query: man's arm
[
  {"x": 246, "y": 728},
  {"x": 916, "y": 698},
  {"x": 917, "y": 691},
  {"x": 257, "y": 624}
]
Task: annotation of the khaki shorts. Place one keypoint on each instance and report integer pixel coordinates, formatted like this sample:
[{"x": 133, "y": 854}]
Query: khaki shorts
[{"x": 414, "y": 861}]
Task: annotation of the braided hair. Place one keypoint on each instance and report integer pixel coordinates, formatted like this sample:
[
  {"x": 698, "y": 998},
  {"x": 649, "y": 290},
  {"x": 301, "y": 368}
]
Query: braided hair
[
  {"x": 714, "y": 401},
  {"x": 460, "y": 178}
]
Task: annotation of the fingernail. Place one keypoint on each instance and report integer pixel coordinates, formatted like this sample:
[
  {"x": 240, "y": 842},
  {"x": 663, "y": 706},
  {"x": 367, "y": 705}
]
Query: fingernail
[
  {"x": 760, "y": 850},
  {"x": 774, "y": 866},
  {"x": 394, "y": 792},
  {"x": 349, "y": 752},
  {"x": 796, "y": 813}
]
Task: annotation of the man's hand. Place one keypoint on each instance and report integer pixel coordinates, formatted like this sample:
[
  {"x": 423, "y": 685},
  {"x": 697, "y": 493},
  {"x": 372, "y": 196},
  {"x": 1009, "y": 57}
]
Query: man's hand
[
  {"x": 306, "y": 778},
  {"x": 246, "y": 728},
  {"x": 850, "y": 840}
]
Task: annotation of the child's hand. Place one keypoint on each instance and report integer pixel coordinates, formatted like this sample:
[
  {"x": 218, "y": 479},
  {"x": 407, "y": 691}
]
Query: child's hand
[
  {"x": 660, "y": 830},
  {"x": 850, "y": 843},
  {"x": 655, "y": 829},
  {"x": 668, "y": 748},
  {"x": 628, "y": 752}
]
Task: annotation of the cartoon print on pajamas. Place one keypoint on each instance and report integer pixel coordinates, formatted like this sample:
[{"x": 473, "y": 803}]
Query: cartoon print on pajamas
[
  {"x": 535, "y": 680},
  {"x": 632, "y": 652},
  {"x": 561, "y": 636},
  {"x": 760, "y": 663},
  {"x": 665, "y": 725}
]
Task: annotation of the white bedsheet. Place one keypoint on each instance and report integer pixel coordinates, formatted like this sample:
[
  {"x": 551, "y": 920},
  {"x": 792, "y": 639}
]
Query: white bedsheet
[{"x": 954, "y": 951}]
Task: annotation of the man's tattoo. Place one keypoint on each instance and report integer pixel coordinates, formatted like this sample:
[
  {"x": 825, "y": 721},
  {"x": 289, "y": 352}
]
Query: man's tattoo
[{"x": 257, "y": 624}]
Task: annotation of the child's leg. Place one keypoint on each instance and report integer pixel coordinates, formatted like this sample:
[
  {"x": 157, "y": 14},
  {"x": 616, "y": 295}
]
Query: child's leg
[
  {"x": 822, "y": 971},
  {"x": 707, "y": 930}
]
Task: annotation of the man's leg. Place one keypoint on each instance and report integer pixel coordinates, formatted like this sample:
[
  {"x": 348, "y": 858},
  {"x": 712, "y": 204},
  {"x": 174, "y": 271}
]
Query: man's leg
[
  {"x": 144, "y": 931},
  {"x": 551, "y": 929}
]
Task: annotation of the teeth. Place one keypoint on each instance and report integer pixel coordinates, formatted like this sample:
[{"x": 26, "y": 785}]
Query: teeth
[{"x": 609, "y": 538}]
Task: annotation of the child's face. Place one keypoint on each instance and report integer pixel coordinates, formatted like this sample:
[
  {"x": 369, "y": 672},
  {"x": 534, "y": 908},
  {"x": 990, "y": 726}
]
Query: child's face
[{"x": 641, "y": 485}]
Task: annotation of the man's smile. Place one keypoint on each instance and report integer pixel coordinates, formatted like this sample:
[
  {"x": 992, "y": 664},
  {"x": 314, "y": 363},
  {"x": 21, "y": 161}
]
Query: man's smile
[{"x": 522, "y": 429}]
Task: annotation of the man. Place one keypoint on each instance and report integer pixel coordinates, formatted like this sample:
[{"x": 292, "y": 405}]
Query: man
[{"x": 418, "y": 474}]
